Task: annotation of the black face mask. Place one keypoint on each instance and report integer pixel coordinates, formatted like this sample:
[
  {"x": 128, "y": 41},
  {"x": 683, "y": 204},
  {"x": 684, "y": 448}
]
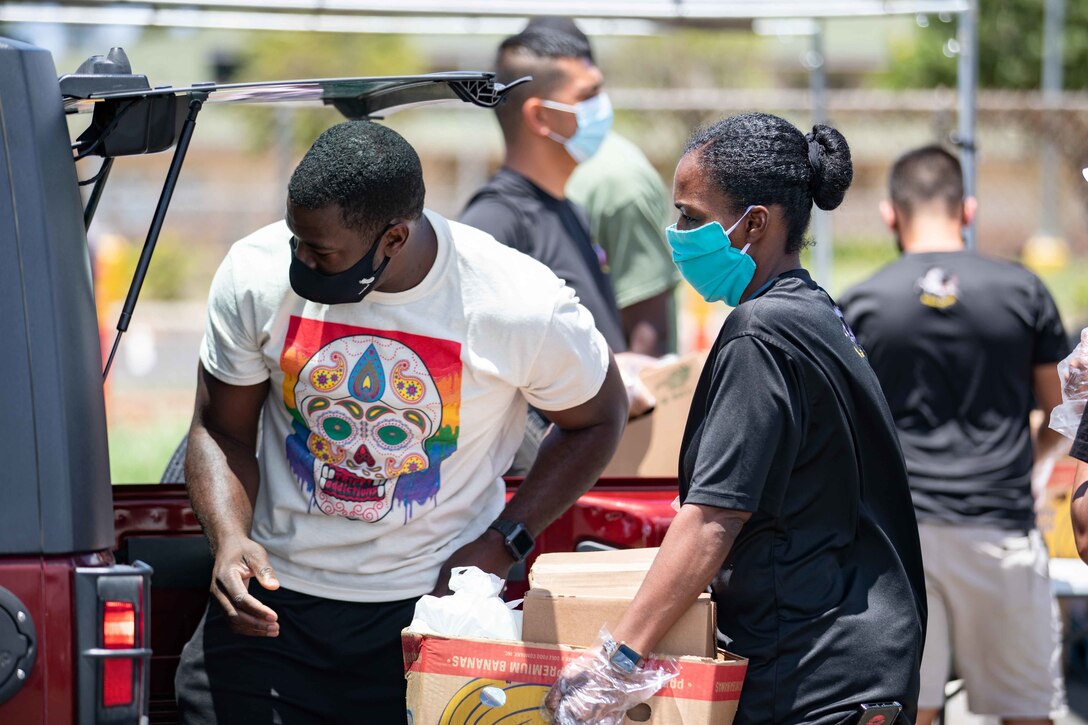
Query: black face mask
[{"x": 351, "y": 285}]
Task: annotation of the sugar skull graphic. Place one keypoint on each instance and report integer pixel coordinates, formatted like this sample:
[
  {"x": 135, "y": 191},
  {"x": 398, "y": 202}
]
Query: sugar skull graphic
[{"x": 369, "y": 420}]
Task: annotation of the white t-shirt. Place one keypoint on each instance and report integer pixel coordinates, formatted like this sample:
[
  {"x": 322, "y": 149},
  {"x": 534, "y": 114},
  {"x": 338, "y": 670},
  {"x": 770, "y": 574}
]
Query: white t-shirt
[{"x": 390, "y": 422}]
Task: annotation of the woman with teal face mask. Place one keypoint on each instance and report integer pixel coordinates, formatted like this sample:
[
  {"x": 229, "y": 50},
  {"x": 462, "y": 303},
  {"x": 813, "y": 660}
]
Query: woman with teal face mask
[{"x": 795, "y": 507}]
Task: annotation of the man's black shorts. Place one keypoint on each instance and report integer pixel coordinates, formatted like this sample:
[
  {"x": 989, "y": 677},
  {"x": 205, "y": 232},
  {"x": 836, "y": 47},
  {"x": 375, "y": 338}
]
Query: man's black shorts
[{"x": 333, "y": 662}]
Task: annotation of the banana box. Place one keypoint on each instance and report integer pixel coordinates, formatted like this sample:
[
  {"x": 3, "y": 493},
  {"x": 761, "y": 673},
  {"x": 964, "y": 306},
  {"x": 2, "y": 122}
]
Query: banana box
[{"x": 466, "y": 681}]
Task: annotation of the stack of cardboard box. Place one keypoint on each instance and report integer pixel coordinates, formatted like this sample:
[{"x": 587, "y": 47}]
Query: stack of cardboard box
[
  {"x": 651, "y": 443},
  {"x": 456, "y": 681}
]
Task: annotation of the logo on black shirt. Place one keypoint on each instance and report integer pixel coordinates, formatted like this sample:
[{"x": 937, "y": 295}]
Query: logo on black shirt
[
  {"x": 939, "y": 288},
  {"x": 848, "y": 332}
]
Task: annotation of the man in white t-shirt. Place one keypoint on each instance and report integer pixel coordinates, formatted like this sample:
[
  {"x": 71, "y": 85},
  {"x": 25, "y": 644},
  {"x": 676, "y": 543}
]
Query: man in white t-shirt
[{"x": 364, "y": 380}]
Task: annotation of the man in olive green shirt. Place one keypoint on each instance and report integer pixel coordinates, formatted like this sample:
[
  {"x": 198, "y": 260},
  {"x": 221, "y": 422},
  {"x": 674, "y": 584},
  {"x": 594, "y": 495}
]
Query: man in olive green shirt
[{"x": 629, "y": 209}]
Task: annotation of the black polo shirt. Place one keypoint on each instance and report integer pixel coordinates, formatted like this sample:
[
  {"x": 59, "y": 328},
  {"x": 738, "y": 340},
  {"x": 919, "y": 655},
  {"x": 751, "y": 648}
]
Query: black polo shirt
[
  {"x": 954, "y": 338},
  {"x": 554, "y": 232},
  {"x": 823, "y": 590}
]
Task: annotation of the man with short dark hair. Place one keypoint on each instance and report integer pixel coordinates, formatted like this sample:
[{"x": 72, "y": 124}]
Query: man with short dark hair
[
  {"x": 628, "y": 209},
  {"x": 964, "y": 347},
  {"x": 363, "y": 384},
  {"x": 550, "y": 125}
]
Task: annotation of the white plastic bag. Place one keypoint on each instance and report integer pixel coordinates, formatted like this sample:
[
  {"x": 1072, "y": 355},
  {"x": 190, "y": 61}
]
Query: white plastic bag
[
  {"x": 1073, "y": 371},
  {"x": 475, "y": 608}
]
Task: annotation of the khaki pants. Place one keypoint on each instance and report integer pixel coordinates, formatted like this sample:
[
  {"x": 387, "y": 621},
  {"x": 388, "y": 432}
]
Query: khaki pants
[{"x": 993, "y": 620}]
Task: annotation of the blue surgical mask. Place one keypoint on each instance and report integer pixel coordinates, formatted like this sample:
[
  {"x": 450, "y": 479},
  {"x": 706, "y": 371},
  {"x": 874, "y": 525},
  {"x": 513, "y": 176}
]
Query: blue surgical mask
[
  {"x": 594, "y": 117},
  {"x": 710, "y": 263}
]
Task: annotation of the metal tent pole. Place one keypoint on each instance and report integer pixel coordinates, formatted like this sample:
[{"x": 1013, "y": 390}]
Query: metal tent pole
[
  {"x": 967, "y": 85},
  {"x": 823, "y": 254},
  {"x": 1052, "y": 81}
]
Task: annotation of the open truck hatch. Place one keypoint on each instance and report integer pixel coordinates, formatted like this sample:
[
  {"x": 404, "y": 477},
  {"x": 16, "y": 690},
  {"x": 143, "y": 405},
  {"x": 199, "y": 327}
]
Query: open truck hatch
[
  {"x": 132, "y": 117},
  {"x": 129, "y": 116},
  {"x": 373, "y": 97}
]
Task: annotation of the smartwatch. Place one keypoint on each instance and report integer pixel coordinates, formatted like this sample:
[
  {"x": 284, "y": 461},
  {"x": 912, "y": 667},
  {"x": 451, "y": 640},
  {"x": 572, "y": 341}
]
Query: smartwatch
[
  {"x": 519, "y": 542},
  {"x": 622, "y": 657}
]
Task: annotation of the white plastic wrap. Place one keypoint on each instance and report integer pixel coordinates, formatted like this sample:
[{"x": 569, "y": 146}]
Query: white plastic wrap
[
  {"x": 592, "y": 690},
  {"x": 475, "y": 608},
  {"x": 1073, "y": 371},
  {"x": 631, "y": 365}
]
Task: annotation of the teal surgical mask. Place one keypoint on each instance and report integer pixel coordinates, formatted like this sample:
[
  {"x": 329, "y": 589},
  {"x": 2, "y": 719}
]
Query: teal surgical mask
[
  {"x": 594, "y": 118},
  {"x": 710, "y": 263}
]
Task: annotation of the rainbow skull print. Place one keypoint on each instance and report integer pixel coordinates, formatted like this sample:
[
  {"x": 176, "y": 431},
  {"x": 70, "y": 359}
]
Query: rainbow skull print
[{"x": 372, "y": 420}]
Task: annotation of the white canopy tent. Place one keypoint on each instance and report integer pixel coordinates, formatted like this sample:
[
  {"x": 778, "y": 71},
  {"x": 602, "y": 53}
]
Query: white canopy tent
[
  {"x": 622, "y": 17},
  {"x": 656, "y": 10}
]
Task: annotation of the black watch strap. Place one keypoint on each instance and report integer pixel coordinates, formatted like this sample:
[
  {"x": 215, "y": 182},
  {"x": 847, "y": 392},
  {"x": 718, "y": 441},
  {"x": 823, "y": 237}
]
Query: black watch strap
[{"x": 519, "y": 542}]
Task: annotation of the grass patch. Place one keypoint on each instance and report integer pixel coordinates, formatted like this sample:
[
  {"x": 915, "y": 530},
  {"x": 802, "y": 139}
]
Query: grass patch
[{"x": 144, "y": 428}]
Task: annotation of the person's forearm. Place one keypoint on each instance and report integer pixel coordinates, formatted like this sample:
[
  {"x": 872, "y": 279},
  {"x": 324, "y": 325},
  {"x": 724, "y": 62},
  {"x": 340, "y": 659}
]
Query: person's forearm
[
  {"x": 646, "y": 325},
  {"x": 696, "y": 545},
  {"x": 567, "y": 465},
  {"x": 222, "y": 477},
  {"x": 1049, "y": 447},
  {"x": 571, "y": 457},
  {"x": 645, "y": 340},
  {"x": 1078, "y": 509},
  {"x": 1049, "y": 443}
]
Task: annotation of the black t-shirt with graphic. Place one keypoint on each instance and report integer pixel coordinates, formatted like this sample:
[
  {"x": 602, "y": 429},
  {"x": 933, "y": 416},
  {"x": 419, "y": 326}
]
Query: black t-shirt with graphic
[
  {"x": 823, "y": 590},
  {"x": 554, "y": 232},
  {"x": 954, "y": 338}
]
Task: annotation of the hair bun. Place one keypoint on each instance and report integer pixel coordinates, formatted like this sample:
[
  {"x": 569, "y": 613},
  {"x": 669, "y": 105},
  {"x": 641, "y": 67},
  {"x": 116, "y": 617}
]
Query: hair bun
[{"x": 830, "y": 165}]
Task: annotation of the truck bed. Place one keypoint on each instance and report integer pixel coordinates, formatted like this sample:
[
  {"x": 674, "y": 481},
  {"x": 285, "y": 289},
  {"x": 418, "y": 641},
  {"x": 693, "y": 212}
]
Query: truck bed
[{"x": 155, "y": 524}]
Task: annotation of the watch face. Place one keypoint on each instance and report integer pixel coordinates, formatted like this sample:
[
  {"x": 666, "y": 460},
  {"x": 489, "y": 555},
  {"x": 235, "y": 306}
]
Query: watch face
[
  {"x": 522, "y": 541},
  {"x": 625, "y": 659}
]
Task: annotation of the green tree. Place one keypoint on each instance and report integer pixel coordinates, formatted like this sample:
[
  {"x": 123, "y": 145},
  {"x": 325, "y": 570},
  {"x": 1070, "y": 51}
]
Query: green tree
[{"x": 1010, "y": 48}]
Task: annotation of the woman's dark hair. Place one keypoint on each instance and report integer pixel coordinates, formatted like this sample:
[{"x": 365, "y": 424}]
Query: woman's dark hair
[{"x": 757, "y": 158}]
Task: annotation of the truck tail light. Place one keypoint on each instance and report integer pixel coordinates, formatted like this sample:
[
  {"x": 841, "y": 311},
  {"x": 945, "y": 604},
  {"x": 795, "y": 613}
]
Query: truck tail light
[
  {"x": 118, "y": 632},
  {"x": 117, "y": 684},
  {"x": 112, "y": 619},
  {"x": 118, "y": 625}
]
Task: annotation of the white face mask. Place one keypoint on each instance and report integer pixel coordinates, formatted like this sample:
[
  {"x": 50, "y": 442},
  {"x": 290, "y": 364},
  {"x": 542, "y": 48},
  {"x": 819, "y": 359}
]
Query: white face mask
[{"x": 594, "y": 118}]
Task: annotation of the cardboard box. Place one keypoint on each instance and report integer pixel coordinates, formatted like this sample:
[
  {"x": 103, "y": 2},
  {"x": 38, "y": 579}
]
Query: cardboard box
[
  {"x": 577, "y": 620},
  {"x": 651, "y": 444},
  {"x": 463, "y": 681},
  {"x": 617, "y": 573}
]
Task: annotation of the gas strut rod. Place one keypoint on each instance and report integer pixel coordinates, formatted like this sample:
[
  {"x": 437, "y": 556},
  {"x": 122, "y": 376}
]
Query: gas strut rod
[
  {"x": 96, "y": 192},
  {"x": 196, "y": 102}
]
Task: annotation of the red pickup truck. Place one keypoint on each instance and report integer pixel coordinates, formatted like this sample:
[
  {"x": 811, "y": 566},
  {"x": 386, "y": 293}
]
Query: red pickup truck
[{"x": 100, "y": 587}]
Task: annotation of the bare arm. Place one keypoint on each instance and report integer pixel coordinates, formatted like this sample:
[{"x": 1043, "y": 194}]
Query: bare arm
[
  {"x": 1049, "y": 444},
  {"x": 221, "y": 461},
  {"x": 646, "y": 325},
  {"x": 223, "y": 479},
  {"x": 700, "y": 538},
  {"x": 571, "y": 457},
  {"x": 698, "y": 542},
  {"x": 1078, "y": 510}
]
